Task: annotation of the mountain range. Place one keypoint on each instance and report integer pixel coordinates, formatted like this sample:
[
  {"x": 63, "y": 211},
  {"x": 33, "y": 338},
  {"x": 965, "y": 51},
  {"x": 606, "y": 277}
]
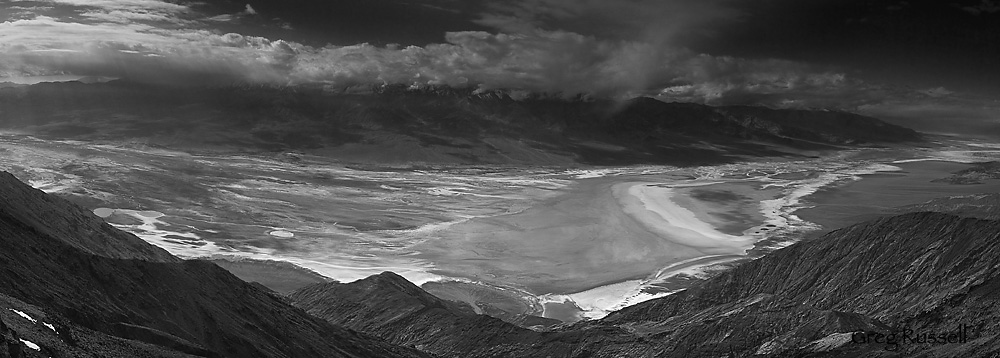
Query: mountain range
[{"x": 397, "y": 124}]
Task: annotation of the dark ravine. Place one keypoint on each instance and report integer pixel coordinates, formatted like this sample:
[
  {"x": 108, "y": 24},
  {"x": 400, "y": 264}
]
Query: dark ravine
[
  {"x": 394, "y": 124},
  {"x": 929, "y": 272},
  {"x": 144, "y": 298}
]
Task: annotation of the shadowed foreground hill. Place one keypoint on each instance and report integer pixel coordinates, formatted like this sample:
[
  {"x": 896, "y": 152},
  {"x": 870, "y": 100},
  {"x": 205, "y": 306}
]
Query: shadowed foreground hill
[
  {"x": 927, "y": 272},
  {"x": 119, "y": 305},
  {"x": 389, "y": 306}
]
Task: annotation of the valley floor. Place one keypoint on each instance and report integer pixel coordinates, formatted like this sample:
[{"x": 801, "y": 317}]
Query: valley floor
[{"x": 565, "y": 243}]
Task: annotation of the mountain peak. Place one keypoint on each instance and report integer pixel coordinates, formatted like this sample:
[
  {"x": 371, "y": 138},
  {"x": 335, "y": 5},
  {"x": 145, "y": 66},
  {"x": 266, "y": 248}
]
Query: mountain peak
[{"x": 391, "y": 278}]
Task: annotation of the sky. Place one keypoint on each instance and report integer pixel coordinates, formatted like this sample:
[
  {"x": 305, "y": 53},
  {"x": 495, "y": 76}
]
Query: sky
[{"x": 930, "y": 62}]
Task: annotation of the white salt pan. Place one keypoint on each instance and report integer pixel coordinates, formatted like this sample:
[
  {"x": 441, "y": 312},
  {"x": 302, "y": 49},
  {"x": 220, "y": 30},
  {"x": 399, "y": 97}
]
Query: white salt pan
[
  {"x": 104, "y": 212},
  {"x": 281, "y": 234}
]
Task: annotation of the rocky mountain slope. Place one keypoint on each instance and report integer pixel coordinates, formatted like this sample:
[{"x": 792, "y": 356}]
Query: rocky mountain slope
[
  {"x": 432, "y": 125},
  {"x": 72, "y": 225},
  {"x": 931, "y": 273},
  {"x": 135, "y": 300}
]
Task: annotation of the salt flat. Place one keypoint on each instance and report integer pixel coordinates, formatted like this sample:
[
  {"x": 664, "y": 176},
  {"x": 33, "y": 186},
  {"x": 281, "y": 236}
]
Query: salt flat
[
  {"x": 654, "y": 207},
  {"x": 562, "y": 244}
]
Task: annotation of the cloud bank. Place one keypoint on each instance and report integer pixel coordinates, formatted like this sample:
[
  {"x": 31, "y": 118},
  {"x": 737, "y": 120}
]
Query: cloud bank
[
  {"x": 629, "y": 51},
  {"x": 539, "y": 60}
]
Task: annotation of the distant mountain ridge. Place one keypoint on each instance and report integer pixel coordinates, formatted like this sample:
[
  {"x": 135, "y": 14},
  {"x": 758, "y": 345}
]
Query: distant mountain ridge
[
  {"x": 431, "y": 125},
  {"x": 982, "y": 206}
]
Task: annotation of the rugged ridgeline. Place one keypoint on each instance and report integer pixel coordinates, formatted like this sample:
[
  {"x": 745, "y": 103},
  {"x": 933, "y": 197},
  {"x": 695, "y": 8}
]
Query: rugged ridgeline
[
  {"x": 982, "y": 206},
  {"x": 974, "y": 175},
  {"x": 389, "y": 306},
  {"x": 135, "y": 300},
  {"x": 431, "y": 125},
  {"x": 929, "y": 272}
]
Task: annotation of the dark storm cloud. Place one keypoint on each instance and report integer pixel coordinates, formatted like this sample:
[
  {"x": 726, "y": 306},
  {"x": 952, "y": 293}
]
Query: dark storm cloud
[
  {"x": 954, "y": 44},
  {"x": 714, "y": 51},
  {"x": 129, "y": 42},
  {"x": 652, "y": 21},
  {"x": 985, "y": 6},
  {"x": 351, "y": 22}
]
